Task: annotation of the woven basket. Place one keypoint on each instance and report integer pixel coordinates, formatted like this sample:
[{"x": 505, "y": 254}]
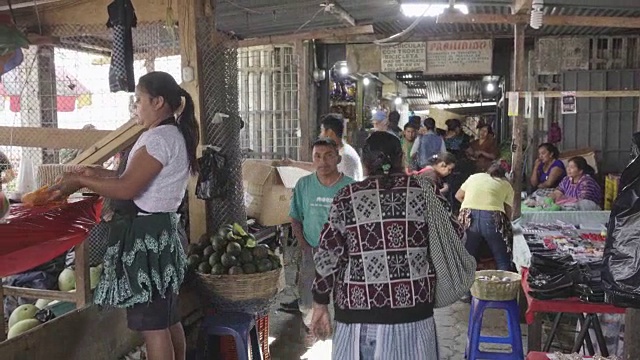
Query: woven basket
[
  {"x": 240, "y": 287},
  {"x": 494, "y": 290}
]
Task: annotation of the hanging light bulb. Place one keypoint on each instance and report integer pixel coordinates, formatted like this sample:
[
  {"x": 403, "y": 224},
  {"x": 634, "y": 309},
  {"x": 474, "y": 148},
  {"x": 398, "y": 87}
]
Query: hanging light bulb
[
  {"x": 537, "y": 14},
  {"x": 366, "y": 81},
  {"x": 398, "y": 101}
]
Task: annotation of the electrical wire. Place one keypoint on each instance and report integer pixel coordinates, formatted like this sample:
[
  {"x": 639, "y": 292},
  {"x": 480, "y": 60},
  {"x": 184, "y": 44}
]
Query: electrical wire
[
  {"x": 390, "y": 40},
  {"x": 322, "y": 9}
]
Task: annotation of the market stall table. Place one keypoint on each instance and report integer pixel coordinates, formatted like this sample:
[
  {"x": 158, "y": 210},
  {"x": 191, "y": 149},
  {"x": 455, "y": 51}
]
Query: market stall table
[
  {"x": 543, "y": 356},
  {"x": 522, "y": 258},
  {"x": 32, "y": 236}
]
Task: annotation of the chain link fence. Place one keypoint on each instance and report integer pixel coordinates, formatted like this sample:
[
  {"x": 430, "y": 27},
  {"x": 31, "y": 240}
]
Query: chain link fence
[
  {"x": 220, "y": 118},
  {"x": 66, "y": 86}
]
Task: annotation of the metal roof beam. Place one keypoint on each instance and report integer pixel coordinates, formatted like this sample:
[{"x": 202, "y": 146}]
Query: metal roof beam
[
  {"x": 548, "y": 20},
  {"x": 521, "y": 6}
]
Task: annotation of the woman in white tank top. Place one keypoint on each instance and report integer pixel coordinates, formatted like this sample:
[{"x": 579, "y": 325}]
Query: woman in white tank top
[{"x": 145, "y": 263}]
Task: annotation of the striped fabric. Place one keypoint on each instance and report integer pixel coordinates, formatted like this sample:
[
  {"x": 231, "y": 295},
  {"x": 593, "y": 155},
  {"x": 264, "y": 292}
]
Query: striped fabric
[
  {"x": 414, "y": 341},
  {"x": 586, "y": 188},
  {"x": 455, "y": 268}
]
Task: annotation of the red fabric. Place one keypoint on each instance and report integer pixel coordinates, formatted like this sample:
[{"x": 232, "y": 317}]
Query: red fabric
[
  {"x": 571, "y": 305},
  {"x": 33, "y": 236},
  {"x": 64, "y": 103}
]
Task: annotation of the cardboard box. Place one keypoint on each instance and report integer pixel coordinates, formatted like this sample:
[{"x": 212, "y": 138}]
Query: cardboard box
[{"x": 268, "y": 189}]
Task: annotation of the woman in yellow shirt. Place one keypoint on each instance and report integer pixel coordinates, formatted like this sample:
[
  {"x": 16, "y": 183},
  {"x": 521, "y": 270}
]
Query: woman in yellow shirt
[{"x": 485, "y": 214}]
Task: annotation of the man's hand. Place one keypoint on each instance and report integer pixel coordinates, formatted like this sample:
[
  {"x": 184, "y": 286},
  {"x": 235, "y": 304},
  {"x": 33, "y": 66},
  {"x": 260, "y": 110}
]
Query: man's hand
[{"x": 321, "y": 322}]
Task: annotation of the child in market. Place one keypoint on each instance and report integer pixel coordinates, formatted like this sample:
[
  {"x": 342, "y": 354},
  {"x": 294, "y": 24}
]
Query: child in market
[{"x": 439, "y": 167}]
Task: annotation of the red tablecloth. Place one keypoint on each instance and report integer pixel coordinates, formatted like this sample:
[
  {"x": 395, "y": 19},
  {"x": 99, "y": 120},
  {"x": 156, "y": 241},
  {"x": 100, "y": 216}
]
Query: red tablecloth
[
  {"x": 570, "y": 305},
  {"x": 33, "y": 236}
]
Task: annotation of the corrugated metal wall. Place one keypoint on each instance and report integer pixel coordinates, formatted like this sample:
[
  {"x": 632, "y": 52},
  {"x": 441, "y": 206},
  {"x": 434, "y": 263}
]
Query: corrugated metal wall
[
  {"x": 269, "y": 104},
  {"x": 604, "y": 124}
]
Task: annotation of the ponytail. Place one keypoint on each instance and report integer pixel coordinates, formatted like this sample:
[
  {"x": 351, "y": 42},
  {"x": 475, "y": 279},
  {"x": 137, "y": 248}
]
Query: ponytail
[{"x": 190, "y": 129}]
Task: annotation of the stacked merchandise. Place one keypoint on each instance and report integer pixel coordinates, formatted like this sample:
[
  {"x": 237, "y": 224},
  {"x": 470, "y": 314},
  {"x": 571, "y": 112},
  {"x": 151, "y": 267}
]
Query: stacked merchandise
[{"x": 556, "y": 276}]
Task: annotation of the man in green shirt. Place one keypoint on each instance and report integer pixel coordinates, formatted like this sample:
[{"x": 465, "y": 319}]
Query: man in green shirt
[{"x": 312, "y": 198}]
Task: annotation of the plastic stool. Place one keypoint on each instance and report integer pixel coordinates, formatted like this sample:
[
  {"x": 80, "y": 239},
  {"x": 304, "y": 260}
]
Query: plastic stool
[
  {"x": 475, "y": 326},
  {"x": 240, "y": 326}
]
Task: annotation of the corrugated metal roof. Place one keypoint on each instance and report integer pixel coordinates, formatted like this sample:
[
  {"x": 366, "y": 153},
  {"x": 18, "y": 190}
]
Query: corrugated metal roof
[
  {"x": 443, "y": 91},
  {"x": 429, "y": 27}
]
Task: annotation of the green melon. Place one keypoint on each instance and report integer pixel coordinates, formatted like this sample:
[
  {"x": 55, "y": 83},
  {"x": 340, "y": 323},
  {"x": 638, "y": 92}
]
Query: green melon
[
  {"x": 22, "y": 312},
  {"x": 22, "y": 327}
]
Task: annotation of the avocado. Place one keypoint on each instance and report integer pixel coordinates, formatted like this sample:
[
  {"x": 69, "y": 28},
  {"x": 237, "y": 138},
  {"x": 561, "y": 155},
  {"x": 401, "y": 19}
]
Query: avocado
[
  {"x": 192, "y": 249},
  {"x": 204, "y": 268},
  {"x": 233, "y": 248},
  {"x": 240, "y": 240},
  {"x": 249, "y": 268},
  {"x": 228, "y": 260},
  {"x": 250, "y": 241},
  {"x": 219, "y": 243},
  {"x": 218, "y": 269},
  {"x": 238, "y": 230},
  {"x": 214, "y": 258},
  {"x": 275, "y": 261},
  {"x": 246, "y": 256},
  {"x": 260, "y": 252},
  {"x": 223, "y": 232},
  {"x": 236, "y": 270},
  {"x": 264, "y": 265},
  {"x": 207, "y": 251},
  {"x": 203, "y": 240},
  {"x": 193, "y": 260},
  {"x": 227, "y": 227}
]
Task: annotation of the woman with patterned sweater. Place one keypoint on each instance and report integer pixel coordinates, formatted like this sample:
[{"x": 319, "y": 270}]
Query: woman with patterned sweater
[{"x": 374, "y": 255}]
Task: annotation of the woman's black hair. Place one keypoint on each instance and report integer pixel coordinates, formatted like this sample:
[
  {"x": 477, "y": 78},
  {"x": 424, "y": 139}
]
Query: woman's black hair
[
  {"x": 382, "y": 156},
  {"x": 582, "y": 165},
  {"x": 496, "y": 170},
  {"x": 161, "y": 84},
  {"x": 489, "y": 128},
  {"x": 550, "y": 148},
  {"x": 444, "y": 157}
]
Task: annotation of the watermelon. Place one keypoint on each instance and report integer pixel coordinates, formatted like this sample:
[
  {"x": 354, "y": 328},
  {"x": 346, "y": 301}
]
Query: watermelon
[{"x": 4, "y": 205}]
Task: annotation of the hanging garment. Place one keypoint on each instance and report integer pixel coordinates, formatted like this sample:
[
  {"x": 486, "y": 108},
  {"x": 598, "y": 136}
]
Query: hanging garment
[
  {"x": 555, "y": 133},
  {"x": 122, "y": 18}
]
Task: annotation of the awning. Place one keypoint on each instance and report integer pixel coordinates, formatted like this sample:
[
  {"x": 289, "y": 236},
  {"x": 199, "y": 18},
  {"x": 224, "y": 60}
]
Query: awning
[{"x": 71, "y": 92}]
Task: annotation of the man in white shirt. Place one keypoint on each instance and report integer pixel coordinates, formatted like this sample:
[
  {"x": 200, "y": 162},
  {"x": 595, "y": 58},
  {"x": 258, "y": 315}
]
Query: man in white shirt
[{"x": 332, "y": 127}]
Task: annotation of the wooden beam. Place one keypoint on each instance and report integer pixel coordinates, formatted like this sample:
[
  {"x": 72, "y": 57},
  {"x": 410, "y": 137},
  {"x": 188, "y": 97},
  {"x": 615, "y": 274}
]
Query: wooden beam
[
  {"x": 519, "y": 78},
  {"x": 304, "y": 81},
  {"x": 109, "y": 145},
  {"x": 50, "y": 138},
  {"x": 553, "y": 20},
  {"x": 40, "y": 294},
  {"x": 585, "y": 94},
  {"x": 338, "y": 33},
  {"x": 521, "y": 6},
  {"x": 189, "y": 12}
]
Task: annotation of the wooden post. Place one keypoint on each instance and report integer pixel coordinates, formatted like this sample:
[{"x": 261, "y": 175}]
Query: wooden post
[
  {"x": 632, "y": 334},
  {"x": 83, "y": 280},
  {"x": 189, "y": 11},
  {"x": 307, "y": 130},
  {"x": 518, "y": 121}
]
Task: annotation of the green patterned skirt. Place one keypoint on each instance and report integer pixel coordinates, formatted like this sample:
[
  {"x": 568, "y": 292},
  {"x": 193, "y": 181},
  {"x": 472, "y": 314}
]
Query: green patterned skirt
[{"x": 144, "y": 260}]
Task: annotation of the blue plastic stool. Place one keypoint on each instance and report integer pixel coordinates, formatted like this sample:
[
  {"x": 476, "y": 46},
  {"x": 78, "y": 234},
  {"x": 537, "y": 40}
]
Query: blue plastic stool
[
  {"x": 475, "y": 326},
  {"x": 239, "y": 325}
]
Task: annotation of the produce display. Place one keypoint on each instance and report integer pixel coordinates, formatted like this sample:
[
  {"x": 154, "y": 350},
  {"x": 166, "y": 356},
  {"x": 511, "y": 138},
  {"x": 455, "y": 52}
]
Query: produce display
[
  {"x": 26, "y": 317},
  {"x": 232, "y": 251}
]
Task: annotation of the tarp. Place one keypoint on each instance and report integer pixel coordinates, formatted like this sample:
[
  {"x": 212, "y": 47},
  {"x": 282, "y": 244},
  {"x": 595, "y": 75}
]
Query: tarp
[{"x": 33, "y": 236}]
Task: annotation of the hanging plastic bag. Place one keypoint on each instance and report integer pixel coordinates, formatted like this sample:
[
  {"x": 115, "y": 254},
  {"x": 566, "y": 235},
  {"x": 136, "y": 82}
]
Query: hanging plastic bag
[
  {"x": 621, "y": 273},
  {"x": 214, "y": 178}
]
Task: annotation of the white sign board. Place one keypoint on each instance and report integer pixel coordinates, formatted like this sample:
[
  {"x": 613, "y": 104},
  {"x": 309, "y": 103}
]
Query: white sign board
[
  {"x": 460, "y": 57},
  {"x": 410, "y": 56}
]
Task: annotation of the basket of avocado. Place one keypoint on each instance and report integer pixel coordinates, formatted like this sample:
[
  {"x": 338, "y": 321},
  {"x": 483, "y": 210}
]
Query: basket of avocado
[{"x": 231, "y": 265}]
